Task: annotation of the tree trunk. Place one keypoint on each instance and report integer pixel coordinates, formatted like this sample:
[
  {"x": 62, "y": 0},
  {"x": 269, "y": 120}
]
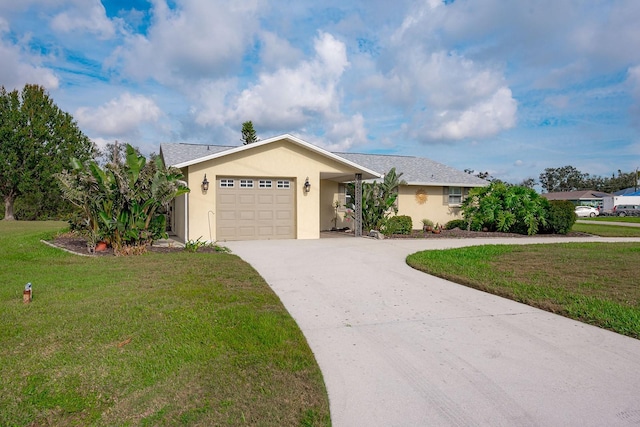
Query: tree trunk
[{"x": 8, "y": 207}]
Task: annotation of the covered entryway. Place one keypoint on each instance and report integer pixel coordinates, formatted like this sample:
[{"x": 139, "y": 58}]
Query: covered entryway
[{"x": 255, "y": 208}]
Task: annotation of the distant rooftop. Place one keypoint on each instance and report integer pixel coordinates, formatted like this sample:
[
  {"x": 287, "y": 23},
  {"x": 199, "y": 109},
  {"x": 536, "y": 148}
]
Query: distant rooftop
[{"x": 576, "y": 195}]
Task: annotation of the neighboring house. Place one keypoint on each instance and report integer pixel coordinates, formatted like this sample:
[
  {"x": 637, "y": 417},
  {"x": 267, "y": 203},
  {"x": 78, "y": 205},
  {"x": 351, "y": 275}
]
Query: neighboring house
[
  {"x": 631, "y": 191},
  {"x": 259, "y": 191},
  {"x": 580, "y": 197}
]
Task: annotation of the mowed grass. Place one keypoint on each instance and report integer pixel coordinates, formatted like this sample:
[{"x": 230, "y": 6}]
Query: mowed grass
[
  {"x": 631, "y": 219},
  {"x": 595, "y": 283},
  {"x": 607, "y": 230},
  {"x": 154, "y": 340}
]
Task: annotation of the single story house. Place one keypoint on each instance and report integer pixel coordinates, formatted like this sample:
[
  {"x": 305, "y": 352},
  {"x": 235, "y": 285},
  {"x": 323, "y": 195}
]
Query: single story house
[
  {"x": 287, "y": 188},
  {"x": 579, "y": 197}
]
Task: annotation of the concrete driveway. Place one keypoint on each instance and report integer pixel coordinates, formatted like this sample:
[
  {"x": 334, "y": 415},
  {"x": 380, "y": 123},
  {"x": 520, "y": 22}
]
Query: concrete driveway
[{"x": 398, "y": 347}]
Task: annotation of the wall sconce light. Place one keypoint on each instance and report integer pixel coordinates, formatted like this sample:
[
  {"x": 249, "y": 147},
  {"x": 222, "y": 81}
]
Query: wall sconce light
[
  {"x": 307, "y": 186},
  {"x": 205, "y": 183}
]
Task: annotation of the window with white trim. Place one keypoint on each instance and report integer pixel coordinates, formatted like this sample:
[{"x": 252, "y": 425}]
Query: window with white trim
[
  {"x": 226, "y": 183},
  {"x": 265, "y": 183},
  {"x": 284, "y": 184},
  {"x": 246, "y": 183},
  {"x": 457, "y": 195}
]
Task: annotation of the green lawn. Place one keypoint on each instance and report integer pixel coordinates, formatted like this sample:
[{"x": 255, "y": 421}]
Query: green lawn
[
  {"x": 153, "y": 340},
  {"x": 635, "y": 219},
  {"x": 607, "y": 230},
  {"x": 596, "y": 283}
]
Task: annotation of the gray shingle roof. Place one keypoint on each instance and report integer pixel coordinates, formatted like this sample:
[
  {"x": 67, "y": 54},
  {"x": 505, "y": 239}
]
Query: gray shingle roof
[
  {"x": 176, "y": 153},
  {"x": 415, "y": 170}
]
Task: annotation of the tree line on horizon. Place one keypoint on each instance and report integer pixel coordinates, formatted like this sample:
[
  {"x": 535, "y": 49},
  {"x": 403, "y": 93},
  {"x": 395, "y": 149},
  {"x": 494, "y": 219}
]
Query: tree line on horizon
[{"x": 569, "y": 178}]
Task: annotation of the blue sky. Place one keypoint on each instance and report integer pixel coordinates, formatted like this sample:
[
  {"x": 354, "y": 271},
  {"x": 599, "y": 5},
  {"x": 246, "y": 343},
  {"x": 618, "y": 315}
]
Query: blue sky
[{"x": 506, "y": 87}]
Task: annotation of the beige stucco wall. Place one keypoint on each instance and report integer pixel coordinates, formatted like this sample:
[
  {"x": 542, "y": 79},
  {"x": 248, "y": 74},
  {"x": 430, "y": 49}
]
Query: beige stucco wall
[
  {"x": 179, "y": 216},
  {"x": 281, "y": 159},
  {"x": 433, "y": 208},
  {"x": 328, "y": 196},
  {"x": 330, "y": 193}
]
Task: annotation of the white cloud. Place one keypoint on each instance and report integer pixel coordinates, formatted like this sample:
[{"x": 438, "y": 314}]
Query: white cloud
[
  {"x": 290, "y": 99},
  {"x": 19, "y": 66},
  {"x": 119, "y": 116},
  {"x": 484, "y": 119},
  {"x": 85, "y": 16},
  {"x": 345, "y": 134},
  {"x": 288, "y": 96},
  {"x": 198, "y": 39},
  {"x": 276, "y": 52},
  {"x": 211, "y": 98}
]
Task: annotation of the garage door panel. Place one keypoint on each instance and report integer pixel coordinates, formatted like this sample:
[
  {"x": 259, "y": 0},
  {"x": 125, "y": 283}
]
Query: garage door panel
[
  {"x": 248, "y": 213},
  {"x": 265, "y": 199},
  {"x": 283, "y": 231},
  {"x": 227, "y": 199},
  {"x": 227, "y": 215},
  {"x": 265, "y": 215},
  {"x": 247, "y": 199},
  {"x": 283, "y": 215},
  {"x": 283, "y": 199},
  {"x": 247, "y": 231}
]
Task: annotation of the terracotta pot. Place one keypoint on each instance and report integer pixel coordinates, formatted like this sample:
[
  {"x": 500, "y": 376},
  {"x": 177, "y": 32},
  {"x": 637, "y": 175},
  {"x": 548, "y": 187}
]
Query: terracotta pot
[{"x": 101, "y": 247}]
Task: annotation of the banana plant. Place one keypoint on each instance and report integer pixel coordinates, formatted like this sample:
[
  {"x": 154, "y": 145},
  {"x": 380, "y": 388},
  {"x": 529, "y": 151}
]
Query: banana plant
[{"x": 122, "y": 201}]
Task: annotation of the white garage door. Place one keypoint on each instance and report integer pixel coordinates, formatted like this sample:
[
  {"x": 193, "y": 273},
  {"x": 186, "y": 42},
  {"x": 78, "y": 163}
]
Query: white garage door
[{"x": 255, "y": 208}]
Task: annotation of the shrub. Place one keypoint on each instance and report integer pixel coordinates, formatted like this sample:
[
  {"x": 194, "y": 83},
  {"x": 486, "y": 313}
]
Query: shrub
[
  {"x": 560, "y": 217},
  {"x": 401, "y": 224},
  {"x": 505, "y": 208},
  {"x": 456, "y": 223}
]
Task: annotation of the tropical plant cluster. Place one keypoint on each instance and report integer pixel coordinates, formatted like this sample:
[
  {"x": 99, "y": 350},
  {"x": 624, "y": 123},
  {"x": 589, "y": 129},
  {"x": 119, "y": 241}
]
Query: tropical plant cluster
[
  {"x": 378, "y": 200},
  {"x": 122, "y": 203},
  {"x": 514, "y": 209}
]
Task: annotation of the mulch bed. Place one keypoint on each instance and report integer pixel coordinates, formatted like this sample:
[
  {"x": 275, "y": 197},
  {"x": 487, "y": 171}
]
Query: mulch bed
[
  {"x": 457, "y": 233},
  {"x": 77, "y": 244}
]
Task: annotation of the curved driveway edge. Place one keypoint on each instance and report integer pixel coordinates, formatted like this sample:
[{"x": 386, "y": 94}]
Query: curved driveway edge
[{"x": 398, "y": 347}]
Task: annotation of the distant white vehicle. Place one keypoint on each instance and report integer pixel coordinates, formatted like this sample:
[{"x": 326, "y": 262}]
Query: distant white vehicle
[{"x": 586, "y": 211}]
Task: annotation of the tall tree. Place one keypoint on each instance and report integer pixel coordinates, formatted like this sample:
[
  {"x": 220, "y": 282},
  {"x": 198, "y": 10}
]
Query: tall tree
[
  {"x": 566, "y": 178},
  {"x": 249, "y": 135},
  {"x": 37, "y": 139},
  {"x": 527, "y": 183}
]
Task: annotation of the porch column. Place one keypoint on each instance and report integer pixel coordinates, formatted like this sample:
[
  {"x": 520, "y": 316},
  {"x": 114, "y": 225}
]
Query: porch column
[{"x": 358, "y": 218}]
